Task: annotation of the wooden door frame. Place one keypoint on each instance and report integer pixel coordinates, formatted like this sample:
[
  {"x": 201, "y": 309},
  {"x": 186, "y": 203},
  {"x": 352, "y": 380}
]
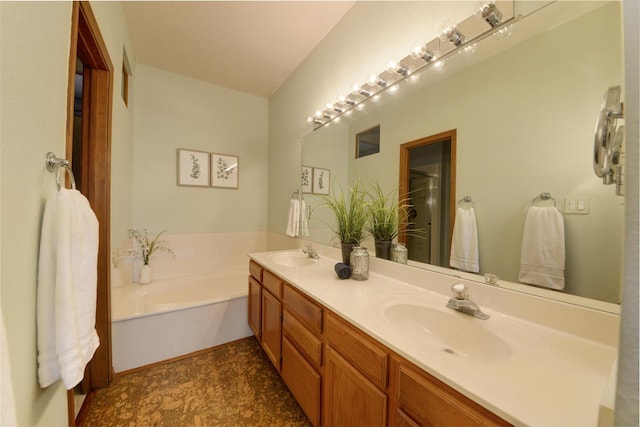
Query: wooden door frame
[
  {"x": 403, "y": 187},
  {"x": 88, "y": 44}
]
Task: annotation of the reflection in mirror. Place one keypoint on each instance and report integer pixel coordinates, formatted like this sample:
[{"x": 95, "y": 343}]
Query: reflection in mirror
[
  {"x": 427, "y": 178},
  {"x": 368, "y": 142},
  {"x": 524, "y": 109}
]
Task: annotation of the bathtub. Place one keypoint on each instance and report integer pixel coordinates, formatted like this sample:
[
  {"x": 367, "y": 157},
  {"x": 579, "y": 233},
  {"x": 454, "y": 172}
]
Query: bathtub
[{"x": 173, "y": 317}]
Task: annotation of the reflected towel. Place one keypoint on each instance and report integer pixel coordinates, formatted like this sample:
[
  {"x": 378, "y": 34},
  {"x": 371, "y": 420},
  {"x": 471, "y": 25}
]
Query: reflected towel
[
  {"x": 543, "y": 254},
  {"x": 304, "y": 219},
  {"x": 342, "y": 270},
  {"x": 464, "y": 245},
  {"x": 293, "y": 222},
  {"x": 66, "y": 294}
]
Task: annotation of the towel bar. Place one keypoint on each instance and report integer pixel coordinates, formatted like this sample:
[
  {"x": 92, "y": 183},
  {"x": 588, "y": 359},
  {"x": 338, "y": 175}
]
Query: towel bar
[
  {"x": 53, "y": 165},
  {"x": 543, "y": 196}
]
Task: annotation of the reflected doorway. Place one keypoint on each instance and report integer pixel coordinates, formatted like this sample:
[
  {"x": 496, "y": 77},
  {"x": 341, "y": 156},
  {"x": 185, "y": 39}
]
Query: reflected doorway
[{"x": 427, "y": 181}]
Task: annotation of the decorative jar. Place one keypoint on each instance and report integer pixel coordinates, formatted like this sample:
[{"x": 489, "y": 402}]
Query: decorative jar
[
  {"x": 359, "y": 263},
  {"x": 400, "y": 253}
]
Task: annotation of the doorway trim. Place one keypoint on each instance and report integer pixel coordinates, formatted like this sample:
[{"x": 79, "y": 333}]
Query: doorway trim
[
  {"x": 403, "y": 187},
  {"x": 95, "y": 166}
]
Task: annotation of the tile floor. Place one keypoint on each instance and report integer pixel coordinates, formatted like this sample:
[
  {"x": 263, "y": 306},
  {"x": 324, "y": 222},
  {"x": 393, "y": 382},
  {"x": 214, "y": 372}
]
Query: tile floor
[{"x": 231, "y": 385}]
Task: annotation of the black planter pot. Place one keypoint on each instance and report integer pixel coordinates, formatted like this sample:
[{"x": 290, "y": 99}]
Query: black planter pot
[
  {"x": 346, "y": 252},
  {"x": 383, "y": 249}
]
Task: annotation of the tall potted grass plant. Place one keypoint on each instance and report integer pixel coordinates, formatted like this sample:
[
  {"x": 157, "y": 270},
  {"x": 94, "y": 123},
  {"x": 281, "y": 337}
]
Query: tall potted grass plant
[{"x": 350, "y": 210}]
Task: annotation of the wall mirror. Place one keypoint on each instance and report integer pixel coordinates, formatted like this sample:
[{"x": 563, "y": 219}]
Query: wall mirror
[{"x": 524, "y": 109}]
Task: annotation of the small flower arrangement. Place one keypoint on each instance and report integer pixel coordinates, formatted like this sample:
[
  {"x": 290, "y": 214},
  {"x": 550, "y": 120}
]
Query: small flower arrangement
[{"x": 148, "y": 245}]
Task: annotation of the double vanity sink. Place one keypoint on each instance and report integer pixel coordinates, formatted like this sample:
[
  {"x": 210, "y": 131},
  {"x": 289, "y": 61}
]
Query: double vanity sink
[{"x": 518, "y": 363}]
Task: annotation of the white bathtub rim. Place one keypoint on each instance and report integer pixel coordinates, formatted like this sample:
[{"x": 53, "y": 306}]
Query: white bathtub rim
[{"x": 241, "y": 292}]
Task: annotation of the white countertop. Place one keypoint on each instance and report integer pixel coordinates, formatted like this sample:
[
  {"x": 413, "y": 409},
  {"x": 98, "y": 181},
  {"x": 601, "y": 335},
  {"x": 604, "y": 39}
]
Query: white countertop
[{"x": 529, "y": 374}]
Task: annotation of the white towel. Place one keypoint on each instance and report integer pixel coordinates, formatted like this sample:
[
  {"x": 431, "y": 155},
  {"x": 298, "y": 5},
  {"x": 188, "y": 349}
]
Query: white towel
[
  {"x": 293, "y": 223},
  {"x": 464, "y": 245},
  {"x": 66, "y": 294},
  {"x": 304, "y": 220},
  {"x": 542, "y": 255}
]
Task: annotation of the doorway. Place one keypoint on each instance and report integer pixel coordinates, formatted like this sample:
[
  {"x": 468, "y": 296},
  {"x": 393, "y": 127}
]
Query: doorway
[
  {"x": 88, "y": 148},
  {"x": 427, "y": 182}
]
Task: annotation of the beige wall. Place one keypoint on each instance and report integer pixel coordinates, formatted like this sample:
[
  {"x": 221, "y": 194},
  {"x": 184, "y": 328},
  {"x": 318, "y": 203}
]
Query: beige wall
[
  {"x": 34, "y": 73},
  {"x": 174, "y": 111}
]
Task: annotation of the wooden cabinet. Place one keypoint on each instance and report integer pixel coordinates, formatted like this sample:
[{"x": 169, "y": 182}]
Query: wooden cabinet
[
  {"x": 255, "y": 307},
  {"x": 426, "y": 401},
  {"x": 340, "y": 375},
  {"x": 272, "y": 327},
  {"x": 302, "y": 351},
  {"x": 255, "y": 299},
  {"x": 303, "y": 381},
  {"x": 350, "y": 399}
]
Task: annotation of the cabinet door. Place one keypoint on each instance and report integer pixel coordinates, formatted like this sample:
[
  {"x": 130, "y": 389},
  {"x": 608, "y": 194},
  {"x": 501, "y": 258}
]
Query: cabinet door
[
  {"x": 272, "y": 327},
  {"x": 350, "y": 399},
  {"x": 430, "y": 402},
  {"x": 303, "y": 381},
  {"x": 255, "y": 304}
]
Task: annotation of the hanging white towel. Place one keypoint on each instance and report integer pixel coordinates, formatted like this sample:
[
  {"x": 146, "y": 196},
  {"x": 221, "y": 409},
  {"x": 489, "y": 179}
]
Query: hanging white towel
[
  {"x": 293, "y": 223},
  {"x": 304, "y": 220},
  {"x": 543, "y": 254},
  {"x": 66, "y": 294},
  {"x": 464, "y": 246}
]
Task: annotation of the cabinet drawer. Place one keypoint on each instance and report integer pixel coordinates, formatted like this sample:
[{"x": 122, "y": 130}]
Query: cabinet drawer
[
  {"x": 429, "y": 401},
  {"x": 302, "y": 339},
  {"x": 303, "y": 381},
  {"x": 272, "y": 283},
  {"x": 370, "y": 358},
  {"x": 308, "y": 312},
  {"x": 255, "y": 270}
]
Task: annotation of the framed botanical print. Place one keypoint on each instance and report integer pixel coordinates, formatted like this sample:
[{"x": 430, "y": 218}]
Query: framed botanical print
[
  {"x": 307, "y": 177},
  {"x": 321, "y": 179},
  {"x": 224, "y": 173},
  {"x": 193, "y": 168}
]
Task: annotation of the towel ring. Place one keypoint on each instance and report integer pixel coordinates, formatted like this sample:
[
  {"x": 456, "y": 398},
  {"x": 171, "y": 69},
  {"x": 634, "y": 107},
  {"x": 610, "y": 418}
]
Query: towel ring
[
  {"x": 465, "y": 199},
  {"x": 543, "y": 196},
  {"x": 54, "y": 164}
]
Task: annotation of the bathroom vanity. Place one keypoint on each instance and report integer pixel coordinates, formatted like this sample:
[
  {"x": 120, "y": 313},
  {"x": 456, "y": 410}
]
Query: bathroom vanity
[{"x": 387, "y": 352}]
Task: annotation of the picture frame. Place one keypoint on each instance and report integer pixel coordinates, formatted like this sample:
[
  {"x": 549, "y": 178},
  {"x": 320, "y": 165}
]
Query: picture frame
[
  {"x": 307, "y": 179},
  {"x": 193, "y": 168},
  {"x": 224, "y": 171},
  {"x": 321, "y": 181}
]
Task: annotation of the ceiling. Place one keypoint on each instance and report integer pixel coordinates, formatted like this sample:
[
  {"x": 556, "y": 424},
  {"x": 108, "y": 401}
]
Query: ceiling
[{"x": 249, "y": 46}]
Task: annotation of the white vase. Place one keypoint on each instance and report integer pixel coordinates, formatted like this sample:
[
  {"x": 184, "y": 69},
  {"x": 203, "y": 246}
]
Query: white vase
[{"x": 145, "y": 274}]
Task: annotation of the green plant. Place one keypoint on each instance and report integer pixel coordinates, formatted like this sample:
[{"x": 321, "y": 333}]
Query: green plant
[
  {"x": 350, "y": 211},
  {"x": 386, "y": 213},
  {"x": 148, "y": 245}
]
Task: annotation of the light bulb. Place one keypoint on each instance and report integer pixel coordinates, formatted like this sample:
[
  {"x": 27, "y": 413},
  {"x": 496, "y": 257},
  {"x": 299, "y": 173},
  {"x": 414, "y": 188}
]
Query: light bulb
[
  {"x": 488, "y": 12},
  {"x": 449, "y": 32},
  {"x": 393, "y": 89},
  {"x": 421, "y": 52}
]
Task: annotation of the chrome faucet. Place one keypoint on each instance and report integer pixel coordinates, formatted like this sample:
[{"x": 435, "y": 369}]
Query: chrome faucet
[
  {"x": 461, "y": 302},
  {"x": 311, "y": 252}
]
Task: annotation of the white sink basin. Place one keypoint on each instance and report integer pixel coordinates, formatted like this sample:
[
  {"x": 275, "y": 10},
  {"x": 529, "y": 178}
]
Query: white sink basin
[
  {"x": 290, "y": 259},
  {"x": 449, "y": 331}
]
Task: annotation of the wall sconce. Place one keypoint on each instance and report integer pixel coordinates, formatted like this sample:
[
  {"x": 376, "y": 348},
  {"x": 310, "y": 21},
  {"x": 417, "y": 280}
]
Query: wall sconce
[
  {"x": 489, "y": 12},
  {"x": 421, "y": 58}
]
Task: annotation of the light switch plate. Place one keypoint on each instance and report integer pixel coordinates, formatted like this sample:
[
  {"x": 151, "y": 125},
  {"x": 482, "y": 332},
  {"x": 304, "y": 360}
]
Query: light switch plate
[{"x": 576, "y": 205}]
